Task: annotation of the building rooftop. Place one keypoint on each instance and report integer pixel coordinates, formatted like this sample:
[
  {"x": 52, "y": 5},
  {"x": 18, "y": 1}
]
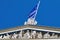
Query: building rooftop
[{"x": 41, "y": 28}]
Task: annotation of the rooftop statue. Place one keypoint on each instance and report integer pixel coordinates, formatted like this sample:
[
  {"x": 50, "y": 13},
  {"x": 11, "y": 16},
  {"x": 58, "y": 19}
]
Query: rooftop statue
[
  {"x": 31, "y": 18},
  {"x": 31, "y": 21}
]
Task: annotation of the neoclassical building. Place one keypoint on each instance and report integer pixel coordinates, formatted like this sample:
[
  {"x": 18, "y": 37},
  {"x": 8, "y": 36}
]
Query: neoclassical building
[{"x": 30, "y": 30}]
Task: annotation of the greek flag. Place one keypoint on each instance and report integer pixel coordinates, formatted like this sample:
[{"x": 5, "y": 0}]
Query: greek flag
[{"x": 33, "y": 12}]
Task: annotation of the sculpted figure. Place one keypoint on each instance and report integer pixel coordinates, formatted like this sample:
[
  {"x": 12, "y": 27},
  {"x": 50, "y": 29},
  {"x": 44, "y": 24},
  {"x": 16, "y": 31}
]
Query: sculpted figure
[
  {"x": 59, "y": 37},
  {"x": 20, "y": 35},
  {"x": 39, "y": 35},
  {"x": 56, "y": 36},
  {"x": 1, "y": 37},
  {"x": 53, "y": 36},
  {"x": 33, "y": 34},
  {"x": 8, "y": 36},
  {"x": 14, "y": 36},
  {"x": 27, "y": 35},
  {"x": 4, "y": 37},
  {"x": 46, "y": 35}
]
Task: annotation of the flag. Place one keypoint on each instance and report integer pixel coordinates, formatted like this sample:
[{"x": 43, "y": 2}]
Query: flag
[{"x": 33, "y": 12}]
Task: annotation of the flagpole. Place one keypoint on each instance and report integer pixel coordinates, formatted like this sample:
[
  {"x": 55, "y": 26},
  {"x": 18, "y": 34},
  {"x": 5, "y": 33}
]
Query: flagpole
[{"x": 37, "y": 9}]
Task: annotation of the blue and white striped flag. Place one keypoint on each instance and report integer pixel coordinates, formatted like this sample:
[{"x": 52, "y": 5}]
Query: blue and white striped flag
[{"x": 34, "y": 11}]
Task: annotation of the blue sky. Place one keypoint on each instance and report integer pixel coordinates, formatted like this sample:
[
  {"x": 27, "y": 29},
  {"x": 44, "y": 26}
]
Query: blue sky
[{"x": 15, "y": 12}]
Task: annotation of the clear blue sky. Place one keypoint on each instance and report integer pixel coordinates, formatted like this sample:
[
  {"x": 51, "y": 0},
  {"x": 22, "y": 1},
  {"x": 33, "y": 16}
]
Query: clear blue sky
[{"x": 15, "y": 12}]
